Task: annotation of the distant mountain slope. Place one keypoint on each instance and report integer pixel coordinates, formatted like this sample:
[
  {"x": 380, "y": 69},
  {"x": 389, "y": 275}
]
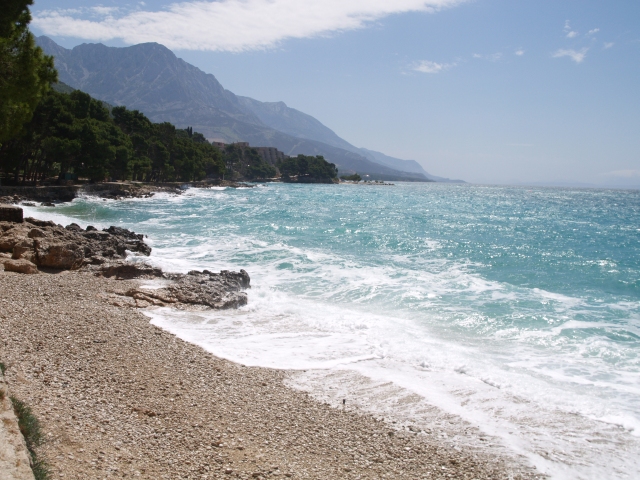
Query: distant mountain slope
[
  {"x": 150, "y": 78},
  {"x": 403, "y": 165},
  {"x": 298, "y": 124},
  {"x": 293, "y": 122}
]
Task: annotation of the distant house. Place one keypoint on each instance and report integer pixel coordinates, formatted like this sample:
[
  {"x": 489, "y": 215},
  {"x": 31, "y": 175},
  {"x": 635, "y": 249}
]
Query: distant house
[{"x": 271, "y": 155}]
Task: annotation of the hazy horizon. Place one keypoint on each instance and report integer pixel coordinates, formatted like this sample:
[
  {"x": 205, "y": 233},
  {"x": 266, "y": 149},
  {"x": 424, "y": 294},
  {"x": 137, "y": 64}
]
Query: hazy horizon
[{"x": 487, "y": 91}]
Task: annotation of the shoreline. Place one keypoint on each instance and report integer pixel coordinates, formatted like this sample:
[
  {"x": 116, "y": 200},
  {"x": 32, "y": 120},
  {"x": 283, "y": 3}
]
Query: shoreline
[
  {"x": 52, "y": 194},
  {"x": 119, "y": 397}
]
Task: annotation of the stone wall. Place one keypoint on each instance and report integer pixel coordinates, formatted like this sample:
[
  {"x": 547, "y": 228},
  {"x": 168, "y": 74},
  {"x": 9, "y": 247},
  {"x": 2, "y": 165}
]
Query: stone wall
[
  {"x": 10, "y": 213},
  {"x": 42, "y": 194}
]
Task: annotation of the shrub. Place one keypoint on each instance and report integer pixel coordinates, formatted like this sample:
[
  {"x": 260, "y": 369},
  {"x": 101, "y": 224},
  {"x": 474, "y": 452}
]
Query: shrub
[{"x": 30, "y": 428}]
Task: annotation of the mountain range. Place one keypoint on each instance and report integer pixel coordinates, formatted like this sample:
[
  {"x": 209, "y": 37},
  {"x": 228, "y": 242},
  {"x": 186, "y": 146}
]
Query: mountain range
[{"x": 150, "y": 78}]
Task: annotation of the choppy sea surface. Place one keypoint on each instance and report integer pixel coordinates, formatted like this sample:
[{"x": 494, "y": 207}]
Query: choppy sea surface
[{"x": 515, "y": 309}]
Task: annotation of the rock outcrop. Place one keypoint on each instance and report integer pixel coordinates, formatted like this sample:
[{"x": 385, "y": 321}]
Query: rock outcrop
[
  {"x": 36, "y": 243},
  {"x": 214, "y": 290},
  {"x": 20, "y": 266},
  {"x": 46, "y": 244},
  {"x": 128, "y": 271}
]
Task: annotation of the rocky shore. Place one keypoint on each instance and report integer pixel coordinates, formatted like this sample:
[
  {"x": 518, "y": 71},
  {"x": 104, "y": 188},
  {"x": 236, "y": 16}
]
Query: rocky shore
[
  {"x": 52, "y": 195},
  {"x": 32, "y": 245},
  {"x": 119, "y": 398}
]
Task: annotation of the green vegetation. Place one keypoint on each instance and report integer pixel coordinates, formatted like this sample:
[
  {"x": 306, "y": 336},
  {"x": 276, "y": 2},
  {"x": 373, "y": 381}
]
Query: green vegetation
[
  {"x": 352, "y": 178},
  {"x": 74, "y": 136},
  {"x": 246, "y": 162},
  {"x": 30, "y": 428},
  {"x": 3, "y": 368},
  {"x": 25, "y": 72},
  {"x": 307, "y": 168}
]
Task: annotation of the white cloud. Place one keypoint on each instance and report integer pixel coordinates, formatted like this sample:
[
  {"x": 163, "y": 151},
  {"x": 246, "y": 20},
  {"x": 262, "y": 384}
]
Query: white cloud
[
  {"x": 492, "y": 57},
  {"x": 426, "y": 66},
  {"x": 104, "y": 10},
  {"x": 593, "y": 32},
  {"x": 568, "y": 30},
  {"x": 608, "y": 45},
  {"x": 231, "y": 25},
  {"x": 519, "y": 52},
  {"x": 576, "y": 56}
]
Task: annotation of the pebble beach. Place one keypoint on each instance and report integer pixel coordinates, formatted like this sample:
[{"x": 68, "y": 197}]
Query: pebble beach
[{"x": 120, "y": 398}]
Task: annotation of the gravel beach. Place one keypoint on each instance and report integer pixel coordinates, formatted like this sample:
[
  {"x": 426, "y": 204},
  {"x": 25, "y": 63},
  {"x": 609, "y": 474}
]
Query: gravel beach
[{"x": 119, "y": 398}]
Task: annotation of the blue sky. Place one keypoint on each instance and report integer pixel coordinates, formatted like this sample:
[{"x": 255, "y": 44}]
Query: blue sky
[{"x": 491, "y": 91}]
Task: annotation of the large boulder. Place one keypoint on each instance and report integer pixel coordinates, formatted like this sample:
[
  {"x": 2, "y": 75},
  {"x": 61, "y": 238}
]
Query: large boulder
[
  {"x": 40, "y": 223},
  {"x": 61, "y": 255},
  {"x": 20, "y": 266},
  {"x": 129, "y": 271},
  {"x": 11, "y": 234},
  {"x": 36, "y": 233},
  {"x": 205, "y": 289},
  {"x": 24, "y": 249}
]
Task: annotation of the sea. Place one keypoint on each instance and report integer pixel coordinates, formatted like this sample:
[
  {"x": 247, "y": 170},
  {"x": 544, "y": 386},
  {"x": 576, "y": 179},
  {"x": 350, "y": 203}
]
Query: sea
[{"x": 512, "y": 313}]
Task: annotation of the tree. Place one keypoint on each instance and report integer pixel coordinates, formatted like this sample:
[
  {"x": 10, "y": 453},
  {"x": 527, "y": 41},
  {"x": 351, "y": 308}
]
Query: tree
[
  {"x": 72, "y": 135},
  {"x": 307, "y": 167},
  {"x": 25, "y": 72},
  {"x": 352, "y": 178},
  {"x": 246, "y": 162}
]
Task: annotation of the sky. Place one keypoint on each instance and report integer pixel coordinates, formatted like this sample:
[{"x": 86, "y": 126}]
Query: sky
[{"x": 489, "y": 91}]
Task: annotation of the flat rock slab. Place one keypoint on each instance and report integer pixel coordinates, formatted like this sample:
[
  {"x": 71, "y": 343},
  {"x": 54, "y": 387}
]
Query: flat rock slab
[
  {"x": 11, "y": 213},
  {"x": 14, "y": 457}
]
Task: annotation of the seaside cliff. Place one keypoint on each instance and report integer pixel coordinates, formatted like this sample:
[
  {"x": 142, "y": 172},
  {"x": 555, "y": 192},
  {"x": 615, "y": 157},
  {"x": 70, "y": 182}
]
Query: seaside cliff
[{"x": 120, "y": 398}]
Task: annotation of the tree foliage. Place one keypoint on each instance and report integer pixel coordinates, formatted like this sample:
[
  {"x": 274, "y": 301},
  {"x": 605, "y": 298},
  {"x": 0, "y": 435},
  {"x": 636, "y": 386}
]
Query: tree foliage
[
  {"x": 25, "y": 72},
  {"x": 352, "y": 178},
  {"x": 302, "y": 166},
  {"x": 74, "y": 135}
]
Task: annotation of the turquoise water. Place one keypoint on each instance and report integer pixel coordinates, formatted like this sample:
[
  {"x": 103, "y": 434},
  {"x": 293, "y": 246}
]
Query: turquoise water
[{"x": 500, "y": 293}]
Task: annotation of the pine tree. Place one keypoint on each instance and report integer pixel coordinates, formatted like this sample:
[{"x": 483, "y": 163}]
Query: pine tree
[{"x": 25, "y": 72}]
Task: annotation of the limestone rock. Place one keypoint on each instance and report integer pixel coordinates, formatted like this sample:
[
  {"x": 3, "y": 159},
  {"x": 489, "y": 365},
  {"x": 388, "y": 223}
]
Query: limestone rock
[
  {"x": 24, "y": 249},
  {"x": 214, "y": 290},
  {"x": 40, "y": 223},
  {"x": 49, "y": 245},
  {"x": 62, "y": 255},
  {"x": 20, "y": 266},
  {"x": 36, "y": 233},
  {"x": 129, "y": 270}
]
